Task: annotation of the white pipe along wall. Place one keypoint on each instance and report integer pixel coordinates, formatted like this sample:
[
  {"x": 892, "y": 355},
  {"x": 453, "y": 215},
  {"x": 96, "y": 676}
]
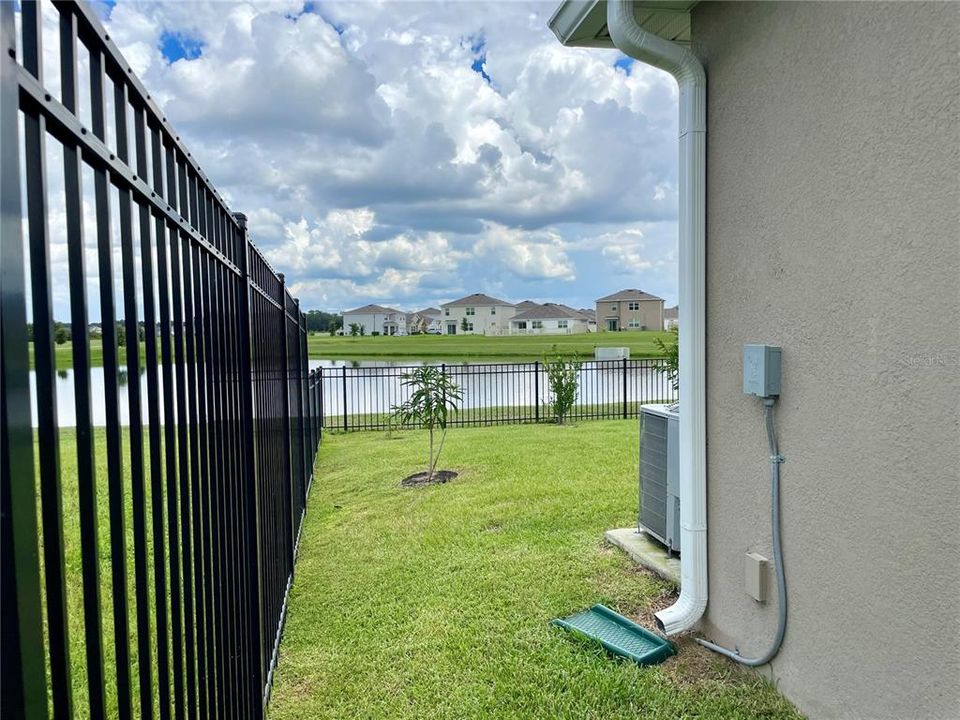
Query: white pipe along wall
[{"x": 679, "y": 61}]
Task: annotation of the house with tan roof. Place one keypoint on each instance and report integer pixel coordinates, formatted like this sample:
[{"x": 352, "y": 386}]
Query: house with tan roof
[
  {"x": 630, "y": 309},
  {"x": 477, "y": 314}
]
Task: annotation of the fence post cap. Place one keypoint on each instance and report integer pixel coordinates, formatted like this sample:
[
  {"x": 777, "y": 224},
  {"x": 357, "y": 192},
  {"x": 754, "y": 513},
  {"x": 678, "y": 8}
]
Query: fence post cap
[
  {"x": 240, "y": 218},
  {"x": 282, "y": 277}
]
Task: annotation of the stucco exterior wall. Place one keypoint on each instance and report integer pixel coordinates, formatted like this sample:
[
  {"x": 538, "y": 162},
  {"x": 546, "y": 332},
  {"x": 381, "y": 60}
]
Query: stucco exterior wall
[{"x": 833, "y": 229}]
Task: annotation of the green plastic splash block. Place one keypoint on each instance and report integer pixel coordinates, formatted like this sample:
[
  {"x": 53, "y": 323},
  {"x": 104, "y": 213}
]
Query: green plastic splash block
[{"x": 618, "y": 635}]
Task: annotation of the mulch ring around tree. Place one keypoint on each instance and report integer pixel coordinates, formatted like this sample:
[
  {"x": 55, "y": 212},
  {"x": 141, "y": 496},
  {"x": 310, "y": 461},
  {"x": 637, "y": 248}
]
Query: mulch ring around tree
[{"x": 423, "y": 478}]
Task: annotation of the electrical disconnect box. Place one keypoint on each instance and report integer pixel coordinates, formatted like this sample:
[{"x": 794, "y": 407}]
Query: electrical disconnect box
[{"x": 761, "y": 370}]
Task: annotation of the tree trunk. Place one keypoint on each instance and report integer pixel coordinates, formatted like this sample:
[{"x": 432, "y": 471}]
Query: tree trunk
[{"x": 430, "y": 467}]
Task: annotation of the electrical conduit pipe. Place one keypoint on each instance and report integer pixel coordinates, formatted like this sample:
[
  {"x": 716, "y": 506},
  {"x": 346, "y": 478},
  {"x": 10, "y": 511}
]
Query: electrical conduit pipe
[{"x": 776, "y": 459}]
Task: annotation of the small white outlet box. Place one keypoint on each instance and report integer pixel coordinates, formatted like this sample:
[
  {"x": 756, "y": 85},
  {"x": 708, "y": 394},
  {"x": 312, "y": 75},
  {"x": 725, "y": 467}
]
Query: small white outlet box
[{"x": 755, "y": 574}]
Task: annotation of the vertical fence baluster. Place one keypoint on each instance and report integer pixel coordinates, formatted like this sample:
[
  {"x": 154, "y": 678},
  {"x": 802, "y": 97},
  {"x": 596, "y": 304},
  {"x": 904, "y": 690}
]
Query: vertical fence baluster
[
  {"x": 196, "y": 466},
  {"x": 624, "y": 361},
  {"x": 344, "y": 397},
  {"x": 21, "y": 622},
  {"x": 135, "y": 418},
  {"x": 251, "y": 497},
  {"x": 45, "y": 365},
  {"x": 214, "y": 492},
  {"x": 536, "y": 388},
  {"x": 285, "y": 378},
  {"x": 153, "y": 399},
  {"x": 170, "y": 469},
  {"x": 108, "y": 323},
  {"x": 189, "y": 642},
  {"x": 206, "y": 455},
  {"x": 304, "y": 420},
  {"x": 86, "y": 468}
]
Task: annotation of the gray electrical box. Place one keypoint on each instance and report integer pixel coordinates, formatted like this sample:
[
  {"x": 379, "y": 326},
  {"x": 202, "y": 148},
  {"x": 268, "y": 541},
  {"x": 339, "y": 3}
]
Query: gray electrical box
[{"x": 761, "y": 370}]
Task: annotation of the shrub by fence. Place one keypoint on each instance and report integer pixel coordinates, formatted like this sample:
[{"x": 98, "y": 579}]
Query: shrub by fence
[
  {"x": 361, "y": 398},
  {"x": 210, "y": 488}
]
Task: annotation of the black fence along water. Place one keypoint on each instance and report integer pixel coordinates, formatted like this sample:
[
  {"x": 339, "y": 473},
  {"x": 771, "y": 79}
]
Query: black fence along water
[
  {"x": 362, "y": 398},
  {"x": 210, "y": 479}
]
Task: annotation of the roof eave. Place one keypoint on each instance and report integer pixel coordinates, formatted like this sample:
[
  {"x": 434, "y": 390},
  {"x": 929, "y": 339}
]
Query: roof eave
[{"x": 583, "y": 23}]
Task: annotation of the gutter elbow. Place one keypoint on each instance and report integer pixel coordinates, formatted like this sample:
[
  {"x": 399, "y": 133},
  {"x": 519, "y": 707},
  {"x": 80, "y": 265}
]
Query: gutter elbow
[
  {"x": 631, "y": 39},
  {"x": 683, "y": 615}
]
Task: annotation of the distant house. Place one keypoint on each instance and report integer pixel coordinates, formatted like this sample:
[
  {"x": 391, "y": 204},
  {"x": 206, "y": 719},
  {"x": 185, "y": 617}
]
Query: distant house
[
  {"x": 671, "y": 316},
  {"x": 630, "y": 310},
  {"x": 548, "y": 319},
  {"x": 376, "y": 319},
  {"x": 591, "y": 315},
  {"x": 477, "y": 314},
  {"x": 424, "y": 321}
]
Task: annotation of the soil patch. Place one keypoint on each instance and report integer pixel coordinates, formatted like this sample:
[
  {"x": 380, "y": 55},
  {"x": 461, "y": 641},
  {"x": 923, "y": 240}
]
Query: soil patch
[{"x": 422, "y": 478}]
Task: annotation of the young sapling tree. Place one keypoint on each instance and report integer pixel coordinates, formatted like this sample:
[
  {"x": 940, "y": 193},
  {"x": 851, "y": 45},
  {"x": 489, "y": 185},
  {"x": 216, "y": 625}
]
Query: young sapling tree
[
  {"x": 563, "y": 377},
  {"x": 671, "y": 356},
  {"x": 433, "y": 397}
]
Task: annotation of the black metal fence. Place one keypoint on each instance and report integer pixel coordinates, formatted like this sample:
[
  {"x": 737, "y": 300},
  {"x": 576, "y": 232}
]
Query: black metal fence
[
  {"x": 145, "y": 569},
  {"x": 361, "y": 398}
]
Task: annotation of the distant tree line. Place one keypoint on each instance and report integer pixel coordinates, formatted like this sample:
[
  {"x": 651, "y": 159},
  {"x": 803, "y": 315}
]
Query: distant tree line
[
  {"x": 317, "y": 321},
  {"x": 320, "y": 321},
  {"x": 63, "y": 332}
]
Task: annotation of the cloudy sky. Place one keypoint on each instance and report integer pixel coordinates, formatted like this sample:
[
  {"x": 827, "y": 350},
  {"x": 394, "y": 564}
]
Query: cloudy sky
[{"x": 406, "y": 154}]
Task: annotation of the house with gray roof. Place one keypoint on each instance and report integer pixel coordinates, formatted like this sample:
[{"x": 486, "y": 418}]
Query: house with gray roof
[
  {"x": 671, "y": 317},
  {"x": 376, "y": 319},
  {"x": 477, "y": 314},
  {"x": 630, "y": 309},
  {"x": 548, "y": 319},
  {"x": 424, "y": 321}
]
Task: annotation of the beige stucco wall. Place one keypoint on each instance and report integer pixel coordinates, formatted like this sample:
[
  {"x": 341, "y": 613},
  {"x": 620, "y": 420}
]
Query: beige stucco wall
[{"x": 833, "y": 229}]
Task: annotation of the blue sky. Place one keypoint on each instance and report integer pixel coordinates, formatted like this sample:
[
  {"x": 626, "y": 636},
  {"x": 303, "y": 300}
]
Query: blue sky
[{"x": 408, "y": 153}]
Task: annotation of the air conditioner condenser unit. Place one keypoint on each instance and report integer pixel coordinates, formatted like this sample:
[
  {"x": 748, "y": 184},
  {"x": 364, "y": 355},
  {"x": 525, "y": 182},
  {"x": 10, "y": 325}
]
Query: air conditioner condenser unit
[{"x": 660, "y": 473}]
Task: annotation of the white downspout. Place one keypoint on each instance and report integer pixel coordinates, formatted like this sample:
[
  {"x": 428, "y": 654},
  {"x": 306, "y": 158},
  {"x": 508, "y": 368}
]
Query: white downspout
[{"x": 680, "y": 62}]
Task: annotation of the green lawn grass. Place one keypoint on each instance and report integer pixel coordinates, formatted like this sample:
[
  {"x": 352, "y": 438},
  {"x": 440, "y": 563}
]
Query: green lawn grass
[
  {"x": 459, "y": 348},
  {"x": 73, "y": 569},
  {"x": 505, "y": 414},
  {"x": 435, "y": 602},
  {"x": 511, "y": 348},
  {"x": 63, "y": 354}
]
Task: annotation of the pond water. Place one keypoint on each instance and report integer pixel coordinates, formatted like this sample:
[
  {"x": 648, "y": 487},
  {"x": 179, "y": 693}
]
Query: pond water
[
  {"x": 66, "y": 398},
  {"x": 370, "y": 386}
]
